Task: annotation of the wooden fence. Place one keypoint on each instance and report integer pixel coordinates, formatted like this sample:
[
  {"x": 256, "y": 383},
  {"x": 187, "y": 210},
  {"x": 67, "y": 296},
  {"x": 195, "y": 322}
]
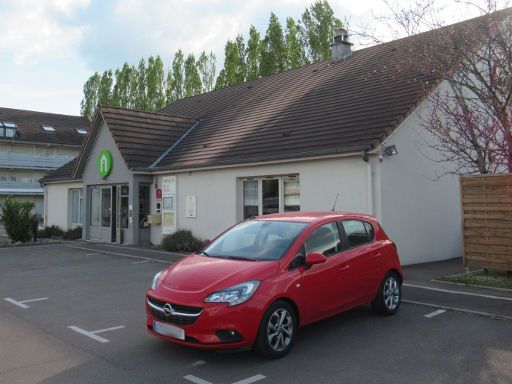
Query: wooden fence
[{"x": 487, "y": 221}]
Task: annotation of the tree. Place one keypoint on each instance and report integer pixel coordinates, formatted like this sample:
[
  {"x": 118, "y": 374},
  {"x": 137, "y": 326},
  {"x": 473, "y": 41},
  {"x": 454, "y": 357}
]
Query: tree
[
  {"x": 295, "y": 49},
  {"x": 141, "y": 97},
  {"x": 105, "y": 88},
  {"x": 178, "y": 76},
  {"x": 122, "y": 95},
  {"x": 91, "y": 94},
  {"x": 274, "y": 53},
  {"x": 234, "y": 71},
  {"x": 155, "y": 84},
  {"x": 18, "y": 219},
  {"x": 206, "y": 66},
  {"x": 318, "y": 24},
  {"x": 471, "y": 109},
  {"x": 253, "y": 54},
  {"x": 192, "y": 82}
]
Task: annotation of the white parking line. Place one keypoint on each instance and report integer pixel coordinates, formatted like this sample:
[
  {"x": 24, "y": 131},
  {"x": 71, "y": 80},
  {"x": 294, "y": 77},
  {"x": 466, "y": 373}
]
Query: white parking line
[
  {"x": 457, "y": 292},
  {"x": 463, "y": 310},
  {"x": 140, "y": 262},
  {"x": 21, "y": 304},
  {"x": 92, "y": 254},
  {"x": 250, "y": 380},
  {"x": 196, "y": 380},
  {"x": 198, "y": 363},
  {"x": 93, "y": 334},
  {"x": 435, "y": 313},
  {"x": 122, "y": 254}
]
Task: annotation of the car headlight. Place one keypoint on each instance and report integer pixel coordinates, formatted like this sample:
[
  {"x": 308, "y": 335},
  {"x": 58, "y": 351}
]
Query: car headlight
[
  {"x": 155, "y": 280},
  {"x": 234, "y": 295}
]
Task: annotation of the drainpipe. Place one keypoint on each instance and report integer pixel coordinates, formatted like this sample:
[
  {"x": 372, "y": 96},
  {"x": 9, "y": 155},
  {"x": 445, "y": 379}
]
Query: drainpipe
[{"x": 370, "y": 172}]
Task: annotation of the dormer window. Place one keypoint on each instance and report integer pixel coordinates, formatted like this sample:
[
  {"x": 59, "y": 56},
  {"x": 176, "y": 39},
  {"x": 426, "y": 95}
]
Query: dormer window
[
  {"x": 7, "y": 129},
  {"x": 48, "y": 128},
  {"x": 81, "y": 131}
]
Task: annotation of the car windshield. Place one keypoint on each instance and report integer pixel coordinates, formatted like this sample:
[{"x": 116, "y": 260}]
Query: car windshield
[{"x": 256, "y": 240}]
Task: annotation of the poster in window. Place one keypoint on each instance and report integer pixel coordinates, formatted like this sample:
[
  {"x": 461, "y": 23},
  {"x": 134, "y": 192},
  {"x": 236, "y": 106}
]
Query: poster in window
[
  {"x": 168, "y": 220},
  {"x": 191, "y": 206}
]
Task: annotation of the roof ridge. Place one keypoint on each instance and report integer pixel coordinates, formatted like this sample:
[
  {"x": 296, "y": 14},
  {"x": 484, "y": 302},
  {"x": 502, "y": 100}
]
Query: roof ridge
[
  {"x": 158, "y": 113},
  {"x": 41, "y": 112}
]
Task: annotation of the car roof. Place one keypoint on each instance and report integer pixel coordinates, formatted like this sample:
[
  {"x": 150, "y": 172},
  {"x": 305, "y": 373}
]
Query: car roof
[{"x": 310, "y": 217}]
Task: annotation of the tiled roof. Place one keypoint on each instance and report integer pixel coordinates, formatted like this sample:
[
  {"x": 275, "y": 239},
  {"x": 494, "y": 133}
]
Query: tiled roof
[
  {"x": 29, "y": 125},
  {"x": 142, "y": 137},
  {"x": 64, "y": 173}
]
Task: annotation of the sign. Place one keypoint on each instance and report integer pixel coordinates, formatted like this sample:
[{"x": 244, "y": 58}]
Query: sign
[
  {"x": 104, "y": 163},
  {"x": 191, "y": 206},
  {"x": 158, "y": 193},
  {"x": 168, "y": 204}
]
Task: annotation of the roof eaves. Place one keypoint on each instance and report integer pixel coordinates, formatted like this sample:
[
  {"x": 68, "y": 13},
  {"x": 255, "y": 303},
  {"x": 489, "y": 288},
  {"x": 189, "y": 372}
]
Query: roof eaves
[{"x": 169, "y": 150}]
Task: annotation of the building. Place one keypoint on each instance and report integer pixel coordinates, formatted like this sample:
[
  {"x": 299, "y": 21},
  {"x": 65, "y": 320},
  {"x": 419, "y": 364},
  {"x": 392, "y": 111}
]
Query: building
[
  {"x": 31, "y": 144},
  {"x": 345, "y": 132}
]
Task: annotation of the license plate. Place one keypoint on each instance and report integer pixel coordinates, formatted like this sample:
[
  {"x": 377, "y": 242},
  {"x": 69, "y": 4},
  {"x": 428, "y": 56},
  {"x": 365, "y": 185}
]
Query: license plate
[{"x": 168, "y": 330}]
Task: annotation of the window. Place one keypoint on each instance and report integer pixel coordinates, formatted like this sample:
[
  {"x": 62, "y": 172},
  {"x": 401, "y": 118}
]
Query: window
[
  {"x": 95, "y": 206},
  {"x": 357, "y": 232},
  {"x": 324, "y": 240},
  {"x": 143, "y": 205},
  {"x": 267, "y": 195},
  {"x": 76, "y": 207},
  {"x": 81, "y": 131},
  {"x": 105, "y": 207},
  {"x": 7, "y": 129},
  {"x": 48, "y": 128}
]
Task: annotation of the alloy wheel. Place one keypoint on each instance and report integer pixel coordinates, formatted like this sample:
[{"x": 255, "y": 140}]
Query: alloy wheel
[
  {"x": 280, "y": 330},
  {"x": 391, "y": 293}
]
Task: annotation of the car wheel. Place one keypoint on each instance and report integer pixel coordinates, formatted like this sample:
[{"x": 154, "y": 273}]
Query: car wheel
[
  {"x": 277, "y": 331},
  {"x": 389, "y": 295}
]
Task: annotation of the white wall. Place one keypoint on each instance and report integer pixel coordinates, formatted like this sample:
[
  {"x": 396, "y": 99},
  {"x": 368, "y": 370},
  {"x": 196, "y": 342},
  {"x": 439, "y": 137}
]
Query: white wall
[
  {"x": 420, "y": 211},
  {"x": 57, "y": 203},
  {"x": 219, "y": 191}
]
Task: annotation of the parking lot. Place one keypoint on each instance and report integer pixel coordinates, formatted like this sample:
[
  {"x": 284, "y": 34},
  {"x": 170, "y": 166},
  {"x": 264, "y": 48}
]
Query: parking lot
[{"x": 74, "y": 313}]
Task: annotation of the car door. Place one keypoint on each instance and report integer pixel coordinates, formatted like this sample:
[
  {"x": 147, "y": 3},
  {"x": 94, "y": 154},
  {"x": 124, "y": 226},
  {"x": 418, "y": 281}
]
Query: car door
[
  {"x": 325, "y": 286},
  {"x": 365, "y": 256}
]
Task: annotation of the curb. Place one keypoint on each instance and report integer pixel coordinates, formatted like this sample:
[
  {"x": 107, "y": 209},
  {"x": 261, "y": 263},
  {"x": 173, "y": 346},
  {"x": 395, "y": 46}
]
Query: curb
[{"x": 492, "y": 316}]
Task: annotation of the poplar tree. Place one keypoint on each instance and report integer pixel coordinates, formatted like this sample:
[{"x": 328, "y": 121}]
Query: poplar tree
[
  {"x": 234, "y": 71},
  {"x": 155, "y": 81},
  {"x": 273, "y": 56},
  {"x": 253, "y": 54},
  {"x": 141, "y": 98},
  {"x": 294, "y": 46},
  {"x": 122, "y": 94},
  {"x": 91, "y": 95},
  {"x": 192, "y": 82},
  {"x": 206, "y": 66},
  {"x": 178, "y": 75},
  {"x": 105, "y": 89}
]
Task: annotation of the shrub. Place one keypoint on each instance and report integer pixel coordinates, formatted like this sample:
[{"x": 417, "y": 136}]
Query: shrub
[
  {"x": 181, "y": 241},
  {"x": 51, "y": 231},
  {"x": 17, "y": 219},
  {"x": 73, "y": 233}
]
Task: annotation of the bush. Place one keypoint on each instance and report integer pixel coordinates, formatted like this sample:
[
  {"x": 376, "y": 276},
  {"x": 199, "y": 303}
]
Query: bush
[
  {"x": 181, "y": 241},
  {"x": 73, "y": 233},
  {"x": 51, "y": 231},
  {"x": 17, "y": 219}
]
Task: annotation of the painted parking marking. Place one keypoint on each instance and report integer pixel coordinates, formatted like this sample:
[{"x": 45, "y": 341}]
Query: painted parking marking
[
  {"x": 435, "y": 313},
  {"x": 458, "y": 292},
  {"x": 22, "y": 304},
  {"x": 198, "y": 363},
  {"x": 140, "y": 262},
  {"x": 122, "y": 254},
  {"x": 249, "y": 380},
  {"x": 94, "y": 334},
  {"x": 92, "y": 254},
  {"x": 462, "y": 310}
]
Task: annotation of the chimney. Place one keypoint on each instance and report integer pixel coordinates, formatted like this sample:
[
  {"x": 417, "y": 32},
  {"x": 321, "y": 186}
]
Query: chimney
[{"x": 341, "y": 48}]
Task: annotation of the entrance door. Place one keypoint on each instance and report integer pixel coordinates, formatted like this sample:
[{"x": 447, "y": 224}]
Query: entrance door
[{"x": 115, "y": 217}]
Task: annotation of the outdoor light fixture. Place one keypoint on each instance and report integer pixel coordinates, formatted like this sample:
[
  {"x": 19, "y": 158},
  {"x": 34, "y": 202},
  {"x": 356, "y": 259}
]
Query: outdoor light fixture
[{"x": 388, "y": 151}]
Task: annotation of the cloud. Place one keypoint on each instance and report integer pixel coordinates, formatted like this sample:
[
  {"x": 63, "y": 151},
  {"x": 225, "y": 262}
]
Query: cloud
[{"x": 39, "y": 30}]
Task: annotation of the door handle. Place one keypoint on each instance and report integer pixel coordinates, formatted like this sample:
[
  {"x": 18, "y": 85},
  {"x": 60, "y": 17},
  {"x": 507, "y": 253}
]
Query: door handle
[
  {"x": 377, "y": 255},
  {"x": 344, "y": 268}
]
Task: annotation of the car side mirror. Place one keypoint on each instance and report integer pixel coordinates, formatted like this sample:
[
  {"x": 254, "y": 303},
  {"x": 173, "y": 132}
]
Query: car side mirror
[{"x": 315, "y": 258}]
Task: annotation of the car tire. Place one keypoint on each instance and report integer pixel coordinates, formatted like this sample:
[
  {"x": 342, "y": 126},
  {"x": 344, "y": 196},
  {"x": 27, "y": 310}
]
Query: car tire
[
  {"x": 389, "y": 295},
  {"x": 277, "y": 331}
]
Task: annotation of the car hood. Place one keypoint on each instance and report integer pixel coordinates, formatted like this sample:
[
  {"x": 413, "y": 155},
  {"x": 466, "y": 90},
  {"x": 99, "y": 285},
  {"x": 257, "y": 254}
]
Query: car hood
[{"x": 201, "y": 274}]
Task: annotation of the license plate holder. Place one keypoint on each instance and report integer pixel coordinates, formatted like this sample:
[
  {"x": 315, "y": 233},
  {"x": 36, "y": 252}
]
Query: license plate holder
[{"x": 168, "y": 330}]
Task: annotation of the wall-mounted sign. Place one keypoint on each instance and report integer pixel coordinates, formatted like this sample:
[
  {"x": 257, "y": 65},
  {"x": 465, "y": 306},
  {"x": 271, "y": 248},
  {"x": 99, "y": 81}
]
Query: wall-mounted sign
[
  {"x": 104, "y": 163},
  {"x": 168, "y": 204},
  {"x": 158, "y": 193},
  {"x": 191, "y": 206}
]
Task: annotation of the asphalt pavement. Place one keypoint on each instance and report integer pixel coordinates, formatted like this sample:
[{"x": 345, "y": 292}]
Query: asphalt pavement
[{"x": 74, "y": 313}]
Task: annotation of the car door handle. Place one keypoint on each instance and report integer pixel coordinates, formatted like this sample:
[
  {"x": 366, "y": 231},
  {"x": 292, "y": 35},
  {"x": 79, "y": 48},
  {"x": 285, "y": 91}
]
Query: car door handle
[
  {"x": 344, "y": 268},
  {"x": 377, "y": 255}
]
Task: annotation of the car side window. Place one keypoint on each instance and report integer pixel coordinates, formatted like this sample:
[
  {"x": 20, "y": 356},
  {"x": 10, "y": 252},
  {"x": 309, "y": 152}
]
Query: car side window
[
  {"x": 325, "y": 240},
  {"x": 357, "y": 232}
]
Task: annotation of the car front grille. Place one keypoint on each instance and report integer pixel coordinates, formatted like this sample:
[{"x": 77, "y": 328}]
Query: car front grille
[{"x": 180, "y": 314}]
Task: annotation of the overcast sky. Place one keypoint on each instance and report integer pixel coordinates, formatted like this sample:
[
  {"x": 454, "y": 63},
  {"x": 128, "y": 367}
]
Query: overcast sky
[{"x": 48, "y": 48}]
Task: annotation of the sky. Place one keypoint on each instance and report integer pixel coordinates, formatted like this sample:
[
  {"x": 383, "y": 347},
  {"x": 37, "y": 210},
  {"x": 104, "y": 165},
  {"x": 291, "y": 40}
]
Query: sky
[{"x": 49, "y": 48}]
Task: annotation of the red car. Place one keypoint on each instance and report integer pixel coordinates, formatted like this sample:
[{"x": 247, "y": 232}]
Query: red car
[{"x": 262, "y": 279}]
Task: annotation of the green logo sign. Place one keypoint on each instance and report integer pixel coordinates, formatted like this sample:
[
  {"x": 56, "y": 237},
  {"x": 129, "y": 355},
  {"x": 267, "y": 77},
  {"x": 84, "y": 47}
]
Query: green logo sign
[{"x": 105, "y": 163}]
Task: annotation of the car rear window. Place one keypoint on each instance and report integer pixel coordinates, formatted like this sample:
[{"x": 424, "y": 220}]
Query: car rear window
[{"x": 357, "y": 232}]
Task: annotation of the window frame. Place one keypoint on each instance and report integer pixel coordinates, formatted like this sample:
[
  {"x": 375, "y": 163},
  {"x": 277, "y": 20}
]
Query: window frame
[{"x": 345, "y": 243}]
